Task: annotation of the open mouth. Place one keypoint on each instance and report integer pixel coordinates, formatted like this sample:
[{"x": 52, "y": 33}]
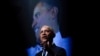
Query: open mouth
[{"x": 44, "y": 37}]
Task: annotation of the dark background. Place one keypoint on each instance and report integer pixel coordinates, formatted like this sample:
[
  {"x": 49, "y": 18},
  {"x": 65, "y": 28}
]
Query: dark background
[{"x": 17, "y": 31}]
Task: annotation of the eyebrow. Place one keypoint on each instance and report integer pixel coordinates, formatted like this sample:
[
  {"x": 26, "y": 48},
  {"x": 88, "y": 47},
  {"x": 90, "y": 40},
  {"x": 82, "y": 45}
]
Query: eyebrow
[
  {"x": 46, "y": 30},
  {"x": 36, "y": 14}
]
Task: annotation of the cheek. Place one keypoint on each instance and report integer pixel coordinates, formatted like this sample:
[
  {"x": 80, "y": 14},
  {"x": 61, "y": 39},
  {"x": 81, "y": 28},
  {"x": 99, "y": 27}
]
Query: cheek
[
  {"x": 44, "y": 16},
  {"x": 43, "y": 20},
  {"x": 40, "y": 37},
  {"x": 48, "y": 34}
]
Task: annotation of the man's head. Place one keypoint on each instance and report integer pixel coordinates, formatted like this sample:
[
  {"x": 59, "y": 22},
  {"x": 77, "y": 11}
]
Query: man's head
[
  {"x": 45, "y": 13},
  {"x": 46, "y": 34}
]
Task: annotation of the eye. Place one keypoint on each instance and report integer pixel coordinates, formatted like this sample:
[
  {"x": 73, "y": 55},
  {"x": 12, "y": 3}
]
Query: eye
[
  {"x": 37, "y": 14},
  {"x": 47, "y": 31},
  {"x": 41, "y": 31}
]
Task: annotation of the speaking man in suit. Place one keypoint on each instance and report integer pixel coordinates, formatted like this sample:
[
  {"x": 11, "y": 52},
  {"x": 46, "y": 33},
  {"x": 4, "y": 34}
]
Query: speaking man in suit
[
  {"x": 46, "y": 13},
  {"x": 46, "y": 36}
]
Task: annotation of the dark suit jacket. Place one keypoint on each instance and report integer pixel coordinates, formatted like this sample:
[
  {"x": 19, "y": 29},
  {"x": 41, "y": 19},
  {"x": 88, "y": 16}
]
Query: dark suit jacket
[{"x": 54, "y": 51}]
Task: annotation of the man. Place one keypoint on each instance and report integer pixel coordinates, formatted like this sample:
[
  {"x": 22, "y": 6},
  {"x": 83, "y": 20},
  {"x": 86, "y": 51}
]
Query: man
[
  {"x": 46, "y": 13},
  {"x": 49, "y": 48}
]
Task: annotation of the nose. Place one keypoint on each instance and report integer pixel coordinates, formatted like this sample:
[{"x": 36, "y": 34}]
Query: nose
[
  {"x": 34, "y": 23},
  {"x": 43, "y": 33}
]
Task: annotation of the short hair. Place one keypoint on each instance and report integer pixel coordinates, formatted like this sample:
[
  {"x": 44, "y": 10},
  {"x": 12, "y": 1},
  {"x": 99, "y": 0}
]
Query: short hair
[
  {"x": 51, "y": 2},
  {"x": 51, "y": 35},
  {"x": 54, "y": 3},
  {"x": 51, "y": 29}
]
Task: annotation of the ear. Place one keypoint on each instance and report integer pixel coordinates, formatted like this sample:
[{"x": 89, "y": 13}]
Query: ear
[
  {"x": 54, "y": 12},
  {"x": 52, "y": 34}
]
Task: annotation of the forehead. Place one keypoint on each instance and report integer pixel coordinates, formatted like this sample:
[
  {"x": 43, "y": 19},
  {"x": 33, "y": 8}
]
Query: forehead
[
  {"x": 39, "y": 7},
  {"x": 45, "y": 28}
]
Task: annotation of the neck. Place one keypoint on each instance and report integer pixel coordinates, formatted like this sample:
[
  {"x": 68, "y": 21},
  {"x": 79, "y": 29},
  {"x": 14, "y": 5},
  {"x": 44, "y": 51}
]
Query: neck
[{"x": 54, "y": 25}]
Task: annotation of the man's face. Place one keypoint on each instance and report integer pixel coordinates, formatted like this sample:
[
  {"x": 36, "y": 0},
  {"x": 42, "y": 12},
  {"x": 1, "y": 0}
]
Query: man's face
[
  {"x": 45, "y": 33},
  {"x": 42, "y": 16}
]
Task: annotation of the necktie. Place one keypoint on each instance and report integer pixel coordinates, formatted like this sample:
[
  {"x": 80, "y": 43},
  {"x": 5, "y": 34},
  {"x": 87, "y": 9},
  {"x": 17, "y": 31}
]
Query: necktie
[{"x": 44, "y": 53}]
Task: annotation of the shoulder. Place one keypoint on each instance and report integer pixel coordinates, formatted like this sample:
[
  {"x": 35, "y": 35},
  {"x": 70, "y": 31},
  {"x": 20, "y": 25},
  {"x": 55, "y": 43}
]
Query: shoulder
[{"x": 60, "y": 51}]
